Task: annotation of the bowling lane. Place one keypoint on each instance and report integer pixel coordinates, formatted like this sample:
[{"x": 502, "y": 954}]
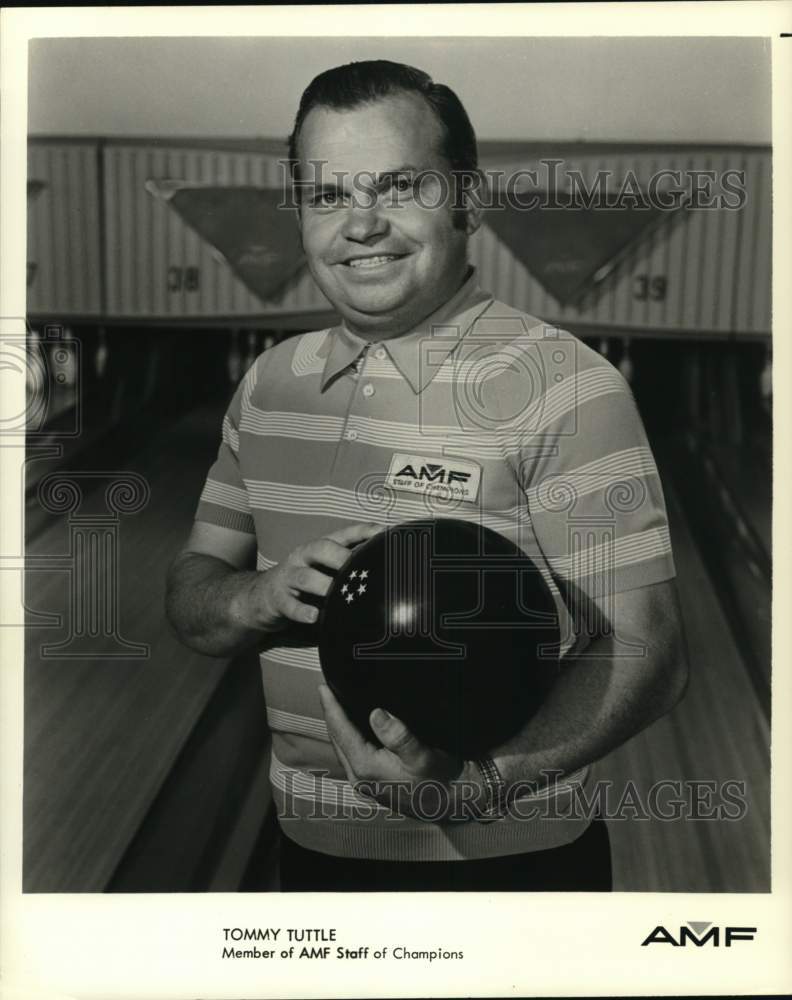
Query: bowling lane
[
  {"x": 718, "y": 733},
  {"x": 747, "y": 473},
  {"x": 102, "y": 735}
]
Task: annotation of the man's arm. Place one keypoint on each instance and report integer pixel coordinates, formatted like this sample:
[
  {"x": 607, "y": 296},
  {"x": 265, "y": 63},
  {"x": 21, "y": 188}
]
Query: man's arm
[
  {"x": 602, "y": 698},
  {"x": 219, "y": 606},
  {"x": 618, "y": 686},
  {"x": 206, "y": 584}
]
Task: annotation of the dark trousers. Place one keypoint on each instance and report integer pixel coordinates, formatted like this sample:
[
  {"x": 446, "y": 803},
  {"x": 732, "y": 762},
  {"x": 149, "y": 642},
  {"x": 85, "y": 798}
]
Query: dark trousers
[{"x": 582, "y": 866}]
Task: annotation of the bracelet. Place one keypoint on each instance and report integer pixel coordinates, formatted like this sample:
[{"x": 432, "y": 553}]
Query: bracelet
[{"x": 494, "y": 788}]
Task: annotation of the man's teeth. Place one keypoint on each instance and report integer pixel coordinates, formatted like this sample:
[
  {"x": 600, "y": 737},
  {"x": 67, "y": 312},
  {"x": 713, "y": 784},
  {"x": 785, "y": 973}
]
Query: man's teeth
[{"x": 371, "y": 261}]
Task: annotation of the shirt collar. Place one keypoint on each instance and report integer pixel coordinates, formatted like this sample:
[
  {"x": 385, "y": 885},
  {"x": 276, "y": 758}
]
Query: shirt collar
[{"x": 419, "y": 353}]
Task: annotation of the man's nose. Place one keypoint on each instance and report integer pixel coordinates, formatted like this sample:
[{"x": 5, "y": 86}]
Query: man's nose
[{"x": 364, "y": 218}]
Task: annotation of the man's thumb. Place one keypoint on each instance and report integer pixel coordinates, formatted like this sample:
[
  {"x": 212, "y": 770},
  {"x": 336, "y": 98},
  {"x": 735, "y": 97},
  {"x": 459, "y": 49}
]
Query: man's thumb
[{"x": 394, "y": 735}]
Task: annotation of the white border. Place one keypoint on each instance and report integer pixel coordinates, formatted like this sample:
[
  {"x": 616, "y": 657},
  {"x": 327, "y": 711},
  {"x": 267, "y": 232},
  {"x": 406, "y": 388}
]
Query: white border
[{"x": 549, "y": 945}]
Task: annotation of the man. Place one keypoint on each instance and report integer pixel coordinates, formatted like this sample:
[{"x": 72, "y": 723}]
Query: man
[{"x": 426, "y": 364}]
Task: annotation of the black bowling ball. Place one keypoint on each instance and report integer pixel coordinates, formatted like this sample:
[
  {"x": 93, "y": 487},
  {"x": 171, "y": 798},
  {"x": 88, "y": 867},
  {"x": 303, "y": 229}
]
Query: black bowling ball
[{"x": 446, "y": 624}]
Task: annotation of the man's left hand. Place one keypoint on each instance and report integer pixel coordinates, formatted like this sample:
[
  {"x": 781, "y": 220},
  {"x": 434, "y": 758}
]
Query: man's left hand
[{"x": 390, "y": 773}]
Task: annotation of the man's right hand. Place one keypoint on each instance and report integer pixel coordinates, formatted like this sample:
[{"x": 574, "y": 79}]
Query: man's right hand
[{"x": 272, "y": 600}]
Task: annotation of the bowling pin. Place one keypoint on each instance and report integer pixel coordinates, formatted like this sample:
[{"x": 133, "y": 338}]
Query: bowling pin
[
  {"x": 766, "y": 377},
  {"x": 626, "y": 365},
  {"x": 100, "y": 357},
  {"x": 269, "y": 341},
  {"x": 766, "y": 380},
  {"x": 250, "y": 357},
  {"x": 69, "y": 366},
  {"x": 234, "y": 363},
  {"x": 603, "y": 347}
]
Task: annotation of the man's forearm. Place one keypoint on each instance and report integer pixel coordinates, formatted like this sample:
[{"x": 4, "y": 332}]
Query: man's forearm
[
  {"x": 203, "y": 604},
  {"x": 600, "y": 700}
]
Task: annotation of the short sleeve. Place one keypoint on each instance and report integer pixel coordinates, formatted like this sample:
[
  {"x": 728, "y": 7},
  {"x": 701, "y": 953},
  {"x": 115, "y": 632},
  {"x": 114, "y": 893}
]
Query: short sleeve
[
  {"x": 592, "y": 486},
  {"x": 224, "y": 499}
]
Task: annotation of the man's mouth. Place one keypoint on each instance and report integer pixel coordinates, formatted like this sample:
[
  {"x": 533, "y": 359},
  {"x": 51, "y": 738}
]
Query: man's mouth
[{"x": 366, "y": 262}]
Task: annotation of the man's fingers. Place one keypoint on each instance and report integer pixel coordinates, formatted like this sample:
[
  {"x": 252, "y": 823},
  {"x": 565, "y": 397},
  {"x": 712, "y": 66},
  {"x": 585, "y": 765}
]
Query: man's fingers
[
  {"x": 309, "y": 581},
  {"x": 397, "y": 738},
  {"x": 324, "y": 552},
  {"x": 285, "y": 583},
  {"x": 332, "y": 550},
  {"x": 351, "y": 776},
  {"x": 289, "y": 607},
  {"x": 354, "y": 533}
]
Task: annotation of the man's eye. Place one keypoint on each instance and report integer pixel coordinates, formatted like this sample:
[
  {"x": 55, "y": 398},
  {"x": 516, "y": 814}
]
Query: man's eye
[
  {"x": 326, "y": 199},
  {"x": 401, "y": 184}
]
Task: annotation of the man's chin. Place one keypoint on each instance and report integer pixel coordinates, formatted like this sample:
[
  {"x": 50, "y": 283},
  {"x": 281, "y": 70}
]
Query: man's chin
[{"x": 375, "y": 313}]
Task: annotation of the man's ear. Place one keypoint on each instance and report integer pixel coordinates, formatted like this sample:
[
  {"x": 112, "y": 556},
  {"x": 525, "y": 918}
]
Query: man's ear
[
  {"x": 474, "y": 215},
  {"x": 298, "y": 223},
  {"x": 474, "y": 201}
]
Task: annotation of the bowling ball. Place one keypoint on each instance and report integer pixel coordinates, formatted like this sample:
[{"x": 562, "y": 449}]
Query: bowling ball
[{"x": 447, "y": 625}]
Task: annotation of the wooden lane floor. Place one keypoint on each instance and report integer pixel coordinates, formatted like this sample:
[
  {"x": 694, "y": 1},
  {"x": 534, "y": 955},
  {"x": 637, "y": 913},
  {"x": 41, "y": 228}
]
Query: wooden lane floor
[
  {"x": 715, "y": 735},
  {"x": 747, "y": 472},
  {"x": 101, "y": 735}
]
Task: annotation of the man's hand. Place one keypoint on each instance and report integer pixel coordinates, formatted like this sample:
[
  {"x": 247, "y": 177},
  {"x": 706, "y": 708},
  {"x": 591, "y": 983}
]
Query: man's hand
[
  {"x": 220, "y": 606},
  {"x": 403, "y": 774},
  {"x": 272, "y": 601}
]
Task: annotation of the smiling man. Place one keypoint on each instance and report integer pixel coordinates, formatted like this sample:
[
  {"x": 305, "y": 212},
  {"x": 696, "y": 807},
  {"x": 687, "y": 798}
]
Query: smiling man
[
  {"x": 384, "y": 257},
  {"x": 426, "y": 364}
]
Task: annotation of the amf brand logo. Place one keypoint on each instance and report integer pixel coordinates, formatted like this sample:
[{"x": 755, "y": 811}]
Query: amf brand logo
[
  {"x": 425, "y": 474},
  {"x": 433, "y": 472},
  {"x": 700, "y": 933}
]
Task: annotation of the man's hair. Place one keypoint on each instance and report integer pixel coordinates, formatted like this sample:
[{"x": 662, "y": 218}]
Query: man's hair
[{"x": 357, "y": 83}]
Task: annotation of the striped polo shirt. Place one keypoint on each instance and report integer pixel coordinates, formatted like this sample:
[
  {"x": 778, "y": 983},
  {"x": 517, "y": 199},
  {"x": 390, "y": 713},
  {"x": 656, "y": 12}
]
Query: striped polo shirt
[{"x": 554, "y": 457}]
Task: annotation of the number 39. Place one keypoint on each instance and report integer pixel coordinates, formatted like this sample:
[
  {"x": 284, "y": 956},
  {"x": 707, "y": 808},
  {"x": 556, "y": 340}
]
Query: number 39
[{"x": 650, "y": 288}]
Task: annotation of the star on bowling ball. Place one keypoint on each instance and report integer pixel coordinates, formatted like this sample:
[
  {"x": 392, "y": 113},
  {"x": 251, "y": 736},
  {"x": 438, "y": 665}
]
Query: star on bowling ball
[{"x": 354, "y": 586}]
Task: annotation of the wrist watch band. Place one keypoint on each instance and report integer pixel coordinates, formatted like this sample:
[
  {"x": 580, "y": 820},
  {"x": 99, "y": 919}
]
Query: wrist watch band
[{"x": 494, "y": 789}]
